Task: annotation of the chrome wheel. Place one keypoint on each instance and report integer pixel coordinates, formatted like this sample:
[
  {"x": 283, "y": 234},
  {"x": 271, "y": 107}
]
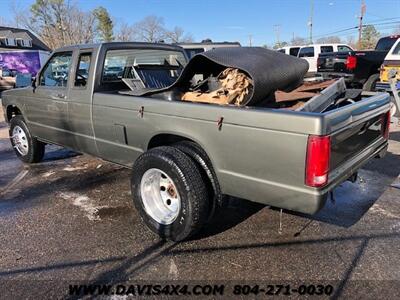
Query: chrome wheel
[
  {"x": 20, "y": 140},
  {"x": 160, "y": 196}
]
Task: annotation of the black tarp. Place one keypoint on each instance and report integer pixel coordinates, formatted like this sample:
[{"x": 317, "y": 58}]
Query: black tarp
[{"x": 269, "y": 70}]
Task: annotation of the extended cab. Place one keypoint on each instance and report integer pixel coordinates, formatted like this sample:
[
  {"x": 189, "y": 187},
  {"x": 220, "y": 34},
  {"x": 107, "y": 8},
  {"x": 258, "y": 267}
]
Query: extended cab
[
  {"x": 185, "y": 155},
  {"x": 359, "y": 68}
]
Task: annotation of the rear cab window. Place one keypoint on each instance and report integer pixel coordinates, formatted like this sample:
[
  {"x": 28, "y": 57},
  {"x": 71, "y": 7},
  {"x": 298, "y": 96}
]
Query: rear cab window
[
  {"x": 384, "y": 44},
  {"x": 306, "y": 52},
  {"x": 146, "y": 68}
]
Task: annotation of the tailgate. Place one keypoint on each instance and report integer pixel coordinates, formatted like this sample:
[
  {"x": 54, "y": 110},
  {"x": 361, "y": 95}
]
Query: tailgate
[
  {"x": 332, "y": 62},
  {"x": 357, "y": 131}
]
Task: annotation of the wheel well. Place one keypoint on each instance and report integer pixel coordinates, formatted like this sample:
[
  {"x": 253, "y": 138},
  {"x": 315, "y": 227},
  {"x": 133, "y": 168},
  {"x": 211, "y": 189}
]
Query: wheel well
[
  {"x": 12, "y": 111},
  {"x": 165, "y": 140}
]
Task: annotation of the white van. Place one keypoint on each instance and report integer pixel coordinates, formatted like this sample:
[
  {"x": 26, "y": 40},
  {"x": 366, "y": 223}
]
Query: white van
[
  {"x": 310, "y": 53},
  {"x": 290, "y": 50}
]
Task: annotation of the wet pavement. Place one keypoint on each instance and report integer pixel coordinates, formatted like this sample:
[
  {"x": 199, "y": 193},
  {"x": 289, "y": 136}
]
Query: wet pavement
[{"x": 71, "y": 218}]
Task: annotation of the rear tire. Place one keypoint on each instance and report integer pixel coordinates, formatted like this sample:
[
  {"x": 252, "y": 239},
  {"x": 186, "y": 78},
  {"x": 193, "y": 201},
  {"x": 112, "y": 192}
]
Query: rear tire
[
  {"x": 169, "y": 193},
  {"x": 197, "y": 154},
  {"x": 26, "y": 147}
]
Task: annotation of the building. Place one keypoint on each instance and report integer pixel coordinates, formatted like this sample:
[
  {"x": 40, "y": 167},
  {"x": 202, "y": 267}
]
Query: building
[{"x": 19, "y": 39}]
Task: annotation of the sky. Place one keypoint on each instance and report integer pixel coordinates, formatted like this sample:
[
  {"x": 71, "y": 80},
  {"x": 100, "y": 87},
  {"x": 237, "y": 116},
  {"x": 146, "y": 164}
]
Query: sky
[{"x": 237, "y": 20}]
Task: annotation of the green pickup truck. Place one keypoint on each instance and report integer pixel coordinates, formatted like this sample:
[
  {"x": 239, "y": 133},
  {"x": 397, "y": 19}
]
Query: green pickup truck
[{"x": 186, "y": 156}]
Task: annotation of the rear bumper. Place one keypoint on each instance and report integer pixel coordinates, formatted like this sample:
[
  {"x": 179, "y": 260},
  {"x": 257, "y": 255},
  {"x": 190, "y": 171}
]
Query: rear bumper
[{"x": 332, "y": 75}]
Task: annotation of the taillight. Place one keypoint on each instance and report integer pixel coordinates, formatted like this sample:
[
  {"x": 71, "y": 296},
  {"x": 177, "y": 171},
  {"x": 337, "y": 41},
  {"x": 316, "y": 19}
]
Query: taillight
[
  {"x": 385, "y": 121},
  {"x": 351, "y": 62},
  {"x": 320, "y": 61},
  {"x": 317, "y": 161}
]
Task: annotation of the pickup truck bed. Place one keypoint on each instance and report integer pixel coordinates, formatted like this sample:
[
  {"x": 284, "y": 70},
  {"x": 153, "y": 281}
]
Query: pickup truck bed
[{"x": 271, "y": 156}]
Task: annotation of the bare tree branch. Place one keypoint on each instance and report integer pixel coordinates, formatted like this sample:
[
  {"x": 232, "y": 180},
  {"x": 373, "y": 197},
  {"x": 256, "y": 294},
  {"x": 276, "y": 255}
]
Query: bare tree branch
[
  {"x": 150, "y": 29},
  {"x": 178, "y": 35}
]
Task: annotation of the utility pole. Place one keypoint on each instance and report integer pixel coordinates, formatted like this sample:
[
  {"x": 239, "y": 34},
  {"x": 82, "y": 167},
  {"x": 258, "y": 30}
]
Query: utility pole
[
  {"x": 277, "y": 29},
  {"x": 310, "y": 22},
  {"x": 250, "y": 39},
  {"x": 362, "y": 13}
]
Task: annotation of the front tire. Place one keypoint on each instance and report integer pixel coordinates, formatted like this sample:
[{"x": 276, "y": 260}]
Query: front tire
[
  {"x": 26, "y": 147},
  {"x": 169, "y": 193}
]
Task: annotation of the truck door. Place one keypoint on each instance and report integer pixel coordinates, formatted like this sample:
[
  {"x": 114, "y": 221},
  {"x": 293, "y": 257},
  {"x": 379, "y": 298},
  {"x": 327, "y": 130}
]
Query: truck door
[
  {"x": 48, "y": 107},
  {"x": 308, "y": 53},
  {"x": 80, "y": 102}
]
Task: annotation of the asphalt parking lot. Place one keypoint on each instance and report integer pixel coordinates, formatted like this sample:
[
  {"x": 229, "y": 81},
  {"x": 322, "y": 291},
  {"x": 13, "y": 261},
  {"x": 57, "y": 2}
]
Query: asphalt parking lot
[{"x": 70, "y": 218}]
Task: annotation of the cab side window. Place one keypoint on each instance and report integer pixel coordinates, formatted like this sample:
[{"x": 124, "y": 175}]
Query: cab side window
[
  {"x": 294, "y": 51},
  {"x": 343, "y": 48},
  {"x": 306, "y": 52},
  {"x": 56, "y": 71},
  {"x": 82, "y": 69},
  {"x": 325, "y": 49}
]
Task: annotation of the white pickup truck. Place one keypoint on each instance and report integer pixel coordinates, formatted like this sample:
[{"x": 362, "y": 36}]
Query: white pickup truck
[{"x": 311, "y": 52}]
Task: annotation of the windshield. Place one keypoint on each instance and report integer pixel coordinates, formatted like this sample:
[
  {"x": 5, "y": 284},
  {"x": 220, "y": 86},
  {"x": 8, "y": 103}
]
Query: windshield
[
  {"x": 154, "y": 68},
  {"x": 384, "y": 44}
]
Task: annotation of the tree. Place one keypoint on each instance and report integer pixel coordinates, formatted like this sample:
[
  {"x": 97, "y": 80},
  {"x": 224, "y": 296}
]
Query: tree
[
  {"x": 150, "y": 29},
  {"x": 329, "y": 40},
  {"x": 57, "y": 23},
  {"x": 178, "y": 35},
  {"x": 299, "y": 41},
  {"x": 104, "y": 24},
  {"x": 369, "y": 37},
  {"x": 125, "y": 33},
  {"x": 4, "y": 22},
  {"x": 280, "y": 45},
  {"x": 351, "y": 41}
]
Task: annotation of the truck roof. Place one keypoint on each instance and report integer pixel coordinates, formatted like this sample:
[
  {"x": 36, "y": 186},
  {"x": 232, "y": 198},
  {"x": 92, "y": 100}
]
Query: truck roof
[
  {"x": 208, "y": 43},
  {"x": 325, "y": 44},
  {"x": 122, "y": 45}
]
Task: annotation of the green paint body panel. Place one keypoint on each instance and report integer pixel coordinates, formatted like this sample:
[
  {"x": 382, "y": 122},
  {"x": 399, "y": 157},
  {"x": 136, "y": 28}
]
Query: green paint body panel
[{"x": 258, "y": 154}]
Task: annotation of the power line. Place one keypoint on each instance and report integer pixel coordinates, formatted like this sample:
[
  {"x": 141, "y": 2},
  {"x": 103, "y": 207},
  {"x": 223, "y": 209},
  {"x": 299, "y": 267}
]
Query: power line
[{"x": 355, "y": 27}]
